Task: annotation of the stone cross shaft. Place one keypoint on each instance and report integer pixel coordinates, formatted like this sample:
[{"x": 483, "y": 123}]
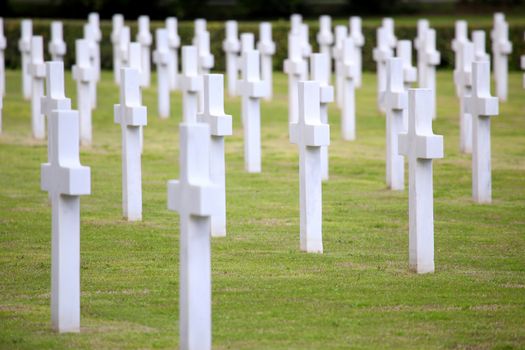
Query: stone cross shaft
[
  {"x": 481, "y": 105},
  {"x": 57, "y": 46},
  {"x": 190, "y": 83},
  {"x": 231, "y": 46},
  {"x": 37, "y": 71},
  {"x": 24, "y": 46},
  {"x": 463, "y": 77},
  {"x": 144, "y": 38},
  {"x": 349, "y": 73},
  {"x": 85, "y": 75},
  {"x": 306, "y": 48},
  {"x": 296, "y": 69},
  {"x": 404, "y": 52},
  {"x": 501, "y": 50},
  {"x": 381, "y": 54},
  {"x": 123, "y": 52},
  {"x": 396, "y": 102},
  {"x": 195, "y": 198},
  {"x": 522, "y": 64},
  {"x": 431, "y": 58},
  {"x": 205, "y": 59},
  {"x": 341, "y": 32},
  {"x": 266, "y": 47},
  {"x": 90, "y": 34},
  {"x": 419, "y": 44},
  {"x": 117, "y": 24},
  {"x": 325, "y": 38},
  {"x": 388, "y": 24},
  {"x": 65, "y": 179},
  {"x": 3, "y": 45},
  {"x": 131, "y": 116},
  {"x": 460, "y": 36},
  {"x": 173, "y": 44},
  {"x": 220, "y": 126},
  {"x": 359, "y": 41},
  {"x": 321, "y": 75},
  {"x": 161, "y": 59},
  {"x": 310, "y": 134},
  {"x": 420, "y": 146},
  {"x": 478, "y": 39},
  {"x": 252, "y": 89},
  {"x": 199, "y": 25}
]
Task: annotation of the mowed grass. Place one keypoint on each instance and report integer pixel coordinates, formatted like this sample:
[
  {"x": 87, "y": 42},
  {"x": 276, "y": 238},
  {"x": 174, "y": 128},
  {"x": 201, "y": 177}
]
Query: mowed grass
[{"x": 266, "y": 293}]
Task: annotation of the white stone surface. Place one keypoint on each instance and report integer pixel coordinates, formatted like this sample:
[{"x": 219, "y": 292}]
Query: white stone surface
[
  {"x": 24, "y": 46},
  {"x": 325, "y": 38},
  {"x": 94, "y": 23},
  {"x": 220, "y": 126},
  {"x": 123, "y": 52},
  {"x": 206, "y": 59},
  {"x": 341, "y": 32},
  {"x": 320, "y": 73},
  {"x": 85, "y": 75},
  {"x": 388, "y": 24},
  {"x": 195, "y": 198},
  {"x": 231, "y": 46},
  {"x": 463, "y": 78},
  {"x": 190, "y": 82},
  {"x": 174, "y": 45},
  {"x": 131, "y": 116},
  {"x": 117, "y": 23},
  {"x": 65, "y": 179},
  {"x": 309, "y": 133},
  {"x": 481, "y": 106},
  {"x": 161, "y": 59},
  {"x": 420, "y": 146},
  {"x": 90, "y": 34},
  {"x": 522, "y": 63},
  {"x": 359, "y": 42},
  {"x": 349, "y": 72},
  {"x": 3, "y": 44},
  {"x": 419, "y": 44},
  {"x": 396, "y": 104},
  {"x": 306, "y": 48},
  {"x": 37, "y": 71},
  {"x": 430, "y": 59},
  {"x": 266, "y": 48},
  {"x": 252, "y": 89},
  {"x": 57, "y": 46},
  {"x": 145, "y": 39},
  {"x": 382, "y": 52},
  {"x": 199, "y": 26},
  {"x": 296, "y": 69},
  {"x": 134, "y": 61},
  {"x": 501, "y": 50},
  {"x": 404, "y": 52},
  {"x": 295, "y": 23},
  {"x": 478, "y": 39},
  {"x": 460, "y": 36}
]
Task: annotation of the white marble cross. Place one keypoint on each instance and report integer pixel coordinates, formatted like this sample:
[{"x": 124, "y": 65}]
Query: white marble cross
[
  {"x": 231, "y": 46},
  {"x": 199, "y": 25},
  {"x": 341, "y": 32},
  {"x": 65, "y": 179},
  {"x": 419, "y": 44},
  {"x": 173, "y": 44},
  {"x": 37, "y": 71},
  {"x": 190, "y": 82},
  {"x": 388, "y": 24},
  {"x": 90, "y": 34},
  {"x": 94, "y": 23},
  {"x": 481, "y": 106},
  {"x": 420, "y": 146},
  {"x": 3, "y": 45},
  {"x": 24, "y": 45},
  {"x": 117, "y": 24},
  {"x": 320, "y": 73},
  {"x": 325, "y": 38},
  {"x": 381, "y": 54},
  {"x": 296, "y": 69},
  {"x": 57, "y": 46},
  {"x": 501, "y": 50},
  {"x": 295, "y": 23},
  {"x": 396, "y": 102},
  {"x": 349, "y": 72},
  {"x": 206, "y": 59},
  {"x": 131, "y": 116},
  {"x": 404, "y": 52},
  {"x": 252, "y": 89},
  {"x": 463, "y": 77},
  {"x": 161, "y": 59},
  {"x": 123, "y": 52},
  {"x": 431, "y": 58},
  {"x": 522, "y": 64},
  {"x": 195, "y": 198},
  {"x": 134, "y": 62},
  {"x": 85, "y": 75},
  {"x": 310, "y": 134},
  {"x": 478, "y": 39},
  {"x": 359, "y": 42},
  {"x": 220, "y": 126},
  {"x": 460, "y": 36},
  {"x": 144, "y": 38},
  {"x": 266, "y": 47}
]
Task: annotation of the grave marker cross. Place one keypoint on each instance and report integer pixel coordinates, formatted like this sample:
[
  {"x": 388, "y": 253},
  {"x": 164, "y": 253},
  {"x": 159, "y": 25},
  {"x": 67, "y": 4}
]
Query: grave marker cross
[{"x": 37, "y": 71}]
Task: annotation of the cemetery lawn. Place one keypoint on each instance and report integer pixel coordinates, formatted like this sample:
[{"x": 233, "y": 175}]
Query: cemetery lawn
[{"x": 266, "y": 293}]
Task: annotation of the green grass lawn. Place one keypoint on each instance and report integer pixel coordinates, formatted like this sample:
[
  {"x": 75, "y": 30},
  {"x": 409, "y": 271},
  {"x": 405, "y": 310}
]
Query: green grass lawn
[{"x": 266, "y": 293}]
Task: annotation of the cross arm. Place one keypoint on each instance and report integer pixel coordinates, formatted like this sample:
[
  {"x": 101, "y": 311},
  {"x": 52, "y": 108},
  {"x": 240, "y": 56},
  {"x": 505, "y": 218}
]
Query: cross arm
[
  {"x": 325, "y": 38},
  {"x": 71, "y": 180},
  {"x": 231, "y": 45},
  {"x": 397, "y": 99},
  {"x": 254, "y": 89},
  {"x": 58, "y": 47},
  {"x": 190, "y": 83},
  {"x": 409, "y": 74},
  {"x": 37, "y": 70},
  {"x": 294, "y": 67},
  {"x": 144, "y": 38},
  {"x": 133, "y": 115},
  {"x": 429, "y": 146},
  {"x": 206, "y": 60},
  {"x": 381, "y": 54},
  {"x": 24, "y": 45},
  {"x": 220, "y": 125},
  {"x": 432, "y": 57},
  {"x": 505, "y": 47},
  {"x": 314, "y": 135},
  {"x": 202, "y": 198},
  {"x": 349, "y": 70},
  {"x": 160, "y": 57},
  {"x": 326, "y": 94},
  {"x": 83, "y": 74},
  {"x": 266, "y": 47}
]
